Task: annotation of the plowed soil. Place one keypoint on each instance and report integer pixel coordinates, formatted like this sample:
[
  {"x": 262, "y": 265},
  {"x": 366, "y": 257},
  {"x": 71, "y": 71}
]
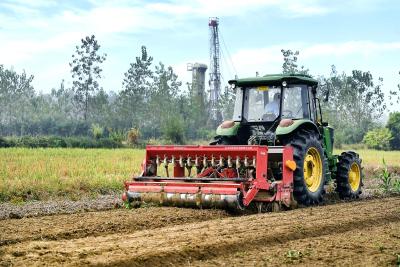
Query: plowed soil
[{"x": 360, "y": 233}]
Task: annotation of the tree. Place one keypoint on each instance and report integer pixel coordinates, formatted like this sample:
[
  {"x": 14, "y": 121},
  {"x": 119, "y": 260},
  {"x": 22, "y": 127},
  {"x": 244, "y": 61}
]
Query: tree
[
  {"x": 86, "y": 70},
  {"x": 290, "y": 63},
  {"x": 393, "y": 125},
  {"x": 16, "y": 93},
  {"x": 136, "y": 89},
  {"x": 355, "y": 103},
  {"x": 379, "y": 139},
  {"x": 163, "y": 105}
]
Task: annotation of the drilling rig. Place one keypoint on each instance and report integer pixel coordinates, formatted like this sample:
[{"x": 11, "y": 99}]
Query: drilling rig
[{"x": 215, "y": 72}]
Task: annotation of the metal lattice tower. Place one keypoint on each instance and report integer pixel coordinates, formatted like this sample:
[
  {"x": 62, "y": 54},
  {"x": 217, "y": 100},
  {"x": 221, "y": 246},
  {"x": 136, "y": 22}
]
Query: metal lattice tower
[{"x": 215, "y": 72}]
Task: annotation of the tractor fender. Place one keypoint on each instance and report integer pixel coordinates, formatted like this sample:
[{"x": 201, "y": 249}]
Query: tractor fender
[
  {"x": 228, "y": 128},
  {"x": 303, "y": 123}
]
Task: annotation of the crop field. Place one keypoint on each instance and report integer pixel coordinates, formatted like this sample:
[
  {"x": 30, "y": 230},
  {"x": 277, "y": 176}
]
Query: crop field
[
  {"x": 365, "y": 232},
  {"x": 47, "y": 173}
]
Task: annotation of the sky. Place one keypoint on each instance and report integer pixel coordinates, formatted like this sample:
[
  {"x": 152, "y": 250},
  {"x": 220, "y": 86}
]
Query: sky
[{"x": 39, "y": 36}]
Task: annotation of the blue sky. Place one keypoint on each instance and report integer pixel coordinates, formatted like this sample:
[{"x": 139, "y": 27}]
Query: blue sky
[{"x": 40, "y": 35}]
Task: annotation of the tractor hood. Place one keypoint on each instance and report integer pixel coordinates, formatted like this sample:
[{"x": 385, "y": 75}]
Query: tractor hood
[{"x": 275, "y": 79}]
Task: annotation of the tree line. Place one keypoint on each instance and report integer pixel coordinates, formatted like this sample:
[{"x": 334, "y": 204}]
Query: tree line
[{"x": 153, "y": 103}]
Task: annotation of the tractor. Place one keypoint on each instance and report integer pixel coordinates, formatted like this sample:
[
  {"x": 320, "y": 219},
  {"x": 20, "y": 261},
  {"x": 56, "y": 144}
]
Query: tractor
[{"x": 276, "y": 152}]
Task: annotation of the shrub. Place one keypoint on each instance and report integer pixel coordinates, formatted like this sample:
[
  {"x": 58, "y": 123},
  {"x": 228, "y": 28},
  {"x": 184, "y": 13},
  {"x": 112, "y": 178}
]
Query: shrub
[
  {"x": 58, "y": 142},
  {"x": 3, "y": 142},
  {"x": 116, "y": 135},
  {"x": 378, "y": 139},
  {"x": 133, "y": 136},
  {"x": 97, "y": 131},
  {"x": 173, "y": 131},
  {"x": 394, "y": 126}
]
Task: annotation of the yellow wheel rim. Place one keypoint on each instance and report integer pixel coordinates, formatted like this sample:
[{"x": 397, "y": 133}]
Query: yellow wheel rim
[
  {"x": 354, "y": 176},
  {"x": 313, "y": 169}
]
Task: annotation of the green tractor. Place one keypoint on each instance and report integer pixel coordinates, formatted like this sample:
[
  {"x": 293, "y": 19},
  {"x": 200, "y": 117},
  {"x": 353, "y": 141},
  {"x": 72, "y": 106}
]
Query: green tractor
[{"x": 279, "y": 110}]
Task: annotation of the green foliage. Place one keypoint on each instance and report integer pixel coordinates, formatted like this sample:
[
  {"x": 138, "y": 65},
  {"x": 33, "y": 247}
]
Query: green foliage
[
  {"x": 173, "y": 130},
  {"x": 97, "y": 131},
  {"x": 290, "y": 63},
  {"x": 59, "y": 142},
  {"x": 389, "y": 181},
  {"x": 378, "y": 139},
  {"x": 116, "y": 135},
  {"x": 386, "y": 178},
  {"x": 393, "y": 125},
  {"x": 86, "y": 70},
  {"x": 355, "y": 103}
]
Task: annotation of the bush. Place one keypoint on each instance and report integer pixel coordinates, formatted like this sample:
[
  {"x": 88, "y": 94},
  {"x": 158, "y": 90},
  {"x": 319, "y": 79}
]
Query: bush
[
  {"x": 97, "y": 131},
  {"x": 394, "y": 126},
  {"x": 173, "y": 131},
  {"x": 58, "y": 142},
  {"x": 133, "y": 136},
  {"x": 378, "y": 139}
]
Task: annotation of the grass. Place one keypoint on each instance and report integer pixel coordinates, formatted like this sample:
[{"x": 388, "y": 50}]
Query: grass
[
  {"x": 373, "y": 158},
  {"x": 27, "y": 174},
  {"x": 42, "y": 173}
]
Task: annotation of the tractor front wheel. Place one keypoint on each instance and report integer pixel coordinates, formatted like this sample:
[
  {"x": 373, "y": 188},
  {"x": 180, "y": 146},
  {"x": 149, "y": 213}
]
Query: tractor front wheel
[
  {"x": 349, "y": 175},
  {"x": 309, "y": 177}
]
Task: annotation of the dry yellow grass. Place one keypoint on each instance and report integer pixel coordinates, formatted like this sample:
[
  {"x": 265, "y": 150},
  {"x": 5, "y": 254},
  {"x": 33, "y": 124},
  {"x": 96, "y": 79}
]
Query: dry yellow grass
[
  {"x": 43, "y": 173},
  {"x": 373, "y": 158}
]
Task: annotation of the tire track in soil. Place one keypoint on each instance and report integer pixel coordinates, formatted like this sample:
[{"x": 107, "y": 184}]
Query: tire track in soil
[
  {"x": 70, "y": 226},
  {"x": 209, "y": 239}
]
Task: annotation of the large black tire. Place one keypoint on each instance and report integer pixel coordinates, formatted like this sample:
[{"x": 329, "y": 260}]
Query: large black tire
[
  {"x": 349, "y": 175},
  {"x": 305, "y": 144}
]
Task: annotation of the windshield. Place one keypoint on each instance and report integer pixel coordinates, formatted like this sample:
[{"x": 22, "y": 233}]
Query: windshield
[{"x": 262, "y": 103}]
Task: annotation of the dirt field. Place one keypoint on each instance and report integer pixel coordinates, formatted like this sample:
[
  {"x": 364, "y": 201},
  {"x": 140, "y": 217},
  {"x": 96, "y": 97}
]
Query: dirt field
[{"x": 357, "y": 233}]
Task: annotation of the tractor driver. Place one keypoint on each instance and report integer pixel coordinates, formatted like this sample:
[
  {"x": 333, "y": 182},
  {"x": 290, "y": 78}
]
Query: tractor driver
[{"x": 273, "y": 106}]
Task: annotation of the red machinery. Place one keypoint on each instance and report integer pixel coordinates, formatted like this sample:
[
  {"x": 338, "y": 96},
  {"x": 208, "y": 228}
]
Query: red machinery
[{"x": 229, "y": 177}]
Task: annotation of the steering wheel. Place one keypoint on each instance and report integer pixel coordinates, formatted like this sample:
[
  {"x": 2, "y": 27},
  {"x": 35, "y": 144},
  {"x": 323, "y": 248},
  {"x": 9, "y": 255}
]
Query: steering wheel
[{"x": 288, "y": 112}]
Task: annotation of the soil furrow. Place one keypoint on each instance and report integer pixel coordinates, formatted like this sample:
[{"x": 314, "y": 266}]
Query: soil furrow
[
  {"x": 181, "y": 244},
  {"x": 79, "y": 225}
]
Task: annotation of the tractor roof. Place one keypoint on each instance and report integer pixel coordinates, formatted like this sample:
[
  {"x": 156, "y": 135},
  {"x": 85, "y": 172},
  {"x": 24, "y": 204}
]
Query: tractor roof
[{"x": 276, "y": 79}]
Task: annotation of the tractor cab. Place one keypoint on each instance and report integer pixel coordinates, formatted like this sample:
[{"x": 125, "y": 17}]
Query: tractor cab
[{"x": 266, "y": 107}]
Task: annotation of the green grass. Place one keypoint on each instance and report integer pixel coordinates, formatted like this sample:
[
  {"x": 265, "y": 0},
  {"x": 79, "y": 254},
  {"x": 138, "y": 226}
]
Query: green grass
[
  {"x": 373, "y": 158},
  {"x": 43, "y": 173},
  {"x": 67, "y": 172}
]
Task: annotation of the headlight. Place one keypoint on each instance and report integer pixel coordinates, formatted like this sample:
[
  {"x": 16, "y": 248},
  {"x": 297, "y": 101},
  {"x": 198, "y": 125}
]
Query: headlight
[
  {"x": 233, "y": 85},
  {"x": 284, "y": 83}
]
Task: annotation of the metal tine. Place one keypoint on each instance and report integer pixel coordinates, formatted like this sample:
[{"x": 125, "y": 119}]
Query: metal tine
[
  {"x": 254, "y": 161},
  {"x": 213, "y": 161},
  {"x": 189, "y": 162},
  {"x": 205, "y": 161},
  {"x": 246, "y": 161},
  {"x": 221, "y": 161},
  {"x": 158, "y": 160},
  {"x": 196, "y": 162},
  {"x": 173, "y": 160},
  {"x": 238, "y": 163},
  {"x": 181, "y": 163},
  {"x": 230, "y": 162},
  {"x": 165, "y": 161}
]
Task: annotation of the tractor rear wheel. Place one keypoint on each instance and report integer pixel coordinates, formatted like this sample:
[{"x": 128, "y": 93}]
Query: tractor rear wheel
[
  {"x": 309, "y": 176},
  {"x": 349, "y": 175}
]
